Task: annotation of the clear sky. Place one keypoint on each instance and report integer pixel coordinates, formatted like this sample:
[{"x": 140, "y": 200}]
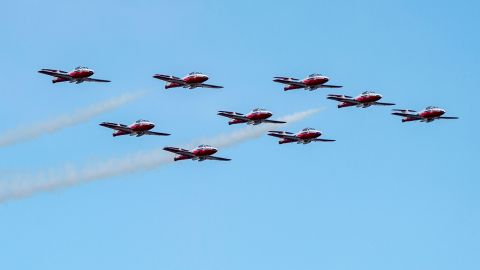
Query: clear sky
[{"x": 386, "y": 195}]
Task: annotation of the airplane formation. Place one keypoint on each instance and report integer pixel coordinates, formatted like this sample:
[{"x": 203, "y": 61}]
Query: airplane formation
[{"x": 255, "y": 117}]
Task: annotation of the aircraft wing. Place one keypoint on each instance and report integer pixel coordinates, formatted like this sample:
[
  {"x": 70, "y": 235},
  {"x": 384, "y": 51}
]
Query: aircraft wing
[
  {"x": 273, "y": 121},
  {"x": 289, "y": 81},
  {"x": 233, "y": 115},
  {"x": 342, "y": 98},
  {"x": 94, "y": 80},
  {"x": 217, "y": 158},
  {"x": 116, "y": 126},
  {"x": 155, "y": 133},
  {"x": 179, "y": 151},
  {"x": 383, "y": 104},
  {"x": 323, "y": 140},
  {"x": 283, "y": 135},
  {"x": 56, "y": 73},
  {"x": 208, "y": 85},
  {"x": 329, "y": 86},
  {"x": 407, "y": 115},
  {"x": 448, "y": 117},
  {"x": 168, "y": 78}
]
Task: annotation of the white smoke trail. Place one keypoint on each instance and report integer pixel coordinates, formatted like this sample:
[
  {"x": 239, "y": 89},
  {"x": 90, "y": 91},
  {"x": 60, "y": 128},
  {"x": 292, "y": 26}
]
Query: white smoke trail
[
  {"x": 33, "y": 131},
  {"x": 20, "y": 186}
]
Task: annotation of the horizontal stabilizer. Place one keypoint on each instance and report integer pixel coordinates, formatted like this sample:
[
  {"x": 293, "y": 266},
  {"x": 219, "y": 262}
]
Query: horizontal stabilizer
[
  {"x": 158, "y": 76},
  {"x": 403, "y": 110},
  {"x": 286, "y": 78},
  {"x": 280, "y": 132},
  {"x": 227, "y": 112},
  {"x": 338, "y": 96},
  {"x": 105, "y": 124}
]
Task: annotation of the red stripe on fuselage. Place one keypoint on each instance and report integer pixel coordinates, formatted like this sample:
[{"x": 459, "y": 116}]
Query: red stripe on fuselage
[
  {"x": 431, "y": 114},
  {"x": 119, "y": 133},
  {"x": 193, "y": 79},
  {"x": 81, "y": 74},
  {"x": 57, "y": 80},
  {"x": 204, "y": 152},
  {"x": 315, "y": 81},
  {"x": 172, "y": 85},
  {"x": 141, "y": 127},
  {"x": 308, "y": 135},
  {"x": 292, "y": 87},
  {"x": 258, "y": 116},
  {"x": 368, "y": 98},
  {"x": 345, "y": 104},
  {"x": 181, "y": 157}
]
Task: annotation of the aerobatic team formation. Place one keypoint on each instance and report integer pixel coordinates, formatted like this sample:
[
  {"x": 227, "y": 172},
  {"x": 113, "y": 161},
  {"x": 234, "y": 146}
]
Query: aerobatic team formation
[{"x": 255, "y": 117}]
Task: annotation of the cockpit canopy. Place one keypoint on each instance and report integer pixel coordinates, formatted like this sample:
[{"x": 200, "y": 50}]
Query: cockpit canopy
[
  {"x": 314, "y": 75},
  {"x": 308, "y": 129},
  {"x": 204, "y": 146},
  {"x": 368, "y": 92},
  {"x": 194, "y": 73},
  {"x": 141, "y": 121},
  {"x": 80, "y": 68},
  {"x": 431, "y": 108},
  {"x": 258, "y": 110}
]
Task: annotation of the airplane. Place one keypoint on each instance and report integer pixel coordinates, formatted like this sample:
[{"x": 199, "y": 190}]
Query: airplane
[
  {"x": 139, "y": 128},
  {"x": 364, "y": 100},
  {"x": 200, "y": 153},
  {"x": 191, "y": 81},
  {"x": 304, "y": 136},
  {"x": 427, "y": 115},
  {"x": 310, "y": 83},
  {"x": 255, "y": 117},
  {"x": 78, "y": 75}
]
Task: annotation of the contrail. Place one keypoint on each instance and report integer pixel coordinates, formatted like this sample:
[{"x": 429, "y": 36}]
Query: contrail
[
  {"x": 19, "y": 186},
  {"x": 33, "y": 131}
]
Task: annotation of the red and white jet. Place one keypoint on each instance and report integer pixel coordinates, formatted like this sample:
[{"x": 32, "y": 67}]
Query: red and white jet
[
  {"x": 304, "y": 136},
  {"x": 191, "y": 81},
  {"x": 139, "y": 128},
  {"x": 255, "y": 117},
  {"x": 364, "y": 100},
  {"x": 200, "y": 153},
  {"x": 312, "y": 82},
  {"x": 78, "y": 75},
  {"x": 427, "y": 115}
]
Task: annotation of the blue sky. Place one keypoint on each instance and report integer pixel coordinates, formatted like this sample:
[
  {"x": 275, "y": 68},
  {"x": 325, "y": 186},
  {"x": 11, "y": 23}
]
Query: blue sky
[{"x": 385, "y": 195}]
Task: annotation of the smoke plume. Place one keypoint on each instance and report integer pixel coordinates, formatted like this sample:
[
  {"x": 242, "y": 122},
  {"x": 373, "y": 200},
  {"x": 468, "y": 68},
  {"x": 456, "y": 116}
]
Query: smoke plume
[
  {"x": 32, "y": 131},
  {"x": 19, "y": 186}
]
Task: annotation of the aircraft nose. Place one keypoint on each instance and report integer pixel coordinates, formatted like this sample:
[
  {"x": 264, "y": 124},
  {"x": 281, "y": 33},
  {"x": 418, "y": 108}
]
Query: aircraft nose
[{"x": 326, "y": 78}]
